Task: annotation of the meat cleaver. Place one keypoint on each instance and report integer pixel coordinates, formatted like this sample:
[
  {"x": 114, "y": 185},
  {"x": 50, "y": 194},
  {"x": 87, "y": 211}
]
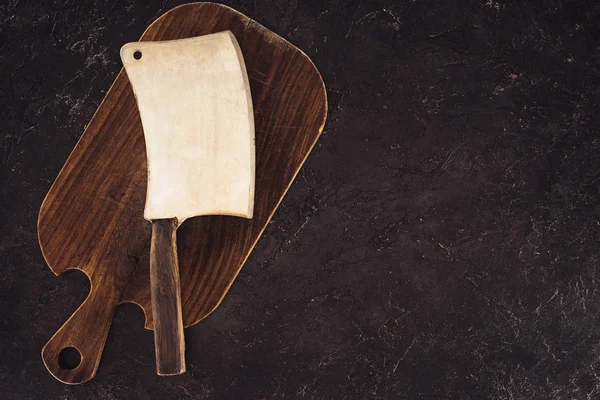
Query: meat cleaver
[{"x": 194, "y": 100}]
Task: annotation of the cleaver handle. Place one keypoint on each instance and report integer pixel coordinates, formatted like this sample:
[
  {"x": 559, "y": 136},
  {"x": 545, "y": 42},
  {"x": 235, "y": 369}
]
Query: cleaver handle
[{"x": 166, "y": 298}]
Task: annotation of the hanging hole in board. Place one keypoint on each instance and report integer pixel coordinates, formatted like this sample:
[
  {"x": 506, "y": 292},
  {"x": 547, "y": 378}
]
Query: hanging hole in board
[
  {"x": 137, "y": 54},
  {"x": 69, "y": 358}
]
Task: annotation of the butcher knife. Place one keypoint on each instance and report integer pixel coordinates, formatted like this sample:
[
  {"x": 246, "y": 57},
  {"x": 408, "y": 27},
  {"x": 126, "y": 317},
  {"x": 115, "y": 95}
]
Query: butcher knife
[{"x": 194, "y": 101}]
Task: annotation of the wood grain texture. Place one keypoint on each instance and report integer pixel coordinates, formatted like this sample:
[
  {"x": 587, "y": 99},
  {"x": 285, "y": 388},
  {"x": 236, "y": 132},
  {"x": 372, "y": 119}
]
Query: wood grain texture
[
  {"x": 169, "y": 345},
  {"x": 92, "y": 217}
]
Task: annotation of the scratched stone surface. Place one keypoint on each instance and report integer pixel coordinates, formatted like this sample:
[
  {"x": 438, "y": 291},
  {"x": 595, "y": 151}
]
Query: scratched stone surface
[{"x": 441, "y": 242}]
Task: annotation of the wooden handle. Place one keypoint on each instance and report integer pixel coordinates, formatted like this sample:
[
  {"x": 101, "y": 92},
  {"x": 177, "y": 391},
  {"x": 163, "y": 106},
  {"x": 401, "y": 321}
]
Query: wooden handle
[
  {"x": 166, "y": 299},
  {"x": 72, "y": 355}
]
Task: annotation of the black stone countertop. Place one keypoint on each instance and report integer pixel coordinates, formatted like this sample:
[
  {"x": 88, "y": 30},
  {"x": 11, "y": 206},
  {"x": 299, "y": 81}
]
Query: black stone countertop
[{"x": 441, "y": 242}]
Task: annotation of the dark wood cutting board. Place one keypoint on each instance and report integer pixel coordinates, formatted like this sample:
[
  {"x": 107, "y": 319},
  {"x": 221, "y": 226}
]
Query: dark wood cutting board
[{"x": 92, "y": 217}]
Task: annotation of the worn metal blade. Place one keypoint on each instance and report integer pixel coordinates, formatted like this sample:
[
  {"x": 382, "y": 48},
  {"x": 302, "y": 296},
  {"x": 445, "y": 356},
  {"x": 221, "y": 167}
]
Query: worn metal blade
[{"x": 194, "y": 100}]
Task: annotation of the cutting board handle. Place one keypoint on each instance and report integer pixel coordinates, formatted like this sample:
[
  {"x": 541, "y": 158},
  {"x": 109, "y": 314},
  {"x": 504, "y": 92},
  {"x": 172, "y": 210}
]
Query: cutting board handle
[
  {"x": 83, "y": 335},
  {"x": 165, "y": 290}
]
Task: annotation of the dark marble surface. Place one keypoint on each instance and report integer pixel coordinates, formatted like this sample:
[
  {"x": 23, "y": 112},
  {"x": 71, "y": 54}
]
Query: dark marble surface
[{"x": 441, "y": 242}]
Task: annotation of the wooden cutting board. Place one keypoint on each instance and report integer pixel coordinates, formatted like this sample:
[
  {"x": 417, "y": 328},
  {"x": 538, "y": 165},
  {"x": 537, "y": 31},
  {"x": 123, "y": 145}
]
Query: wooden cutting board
[{"x": 92, "y": 217}]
